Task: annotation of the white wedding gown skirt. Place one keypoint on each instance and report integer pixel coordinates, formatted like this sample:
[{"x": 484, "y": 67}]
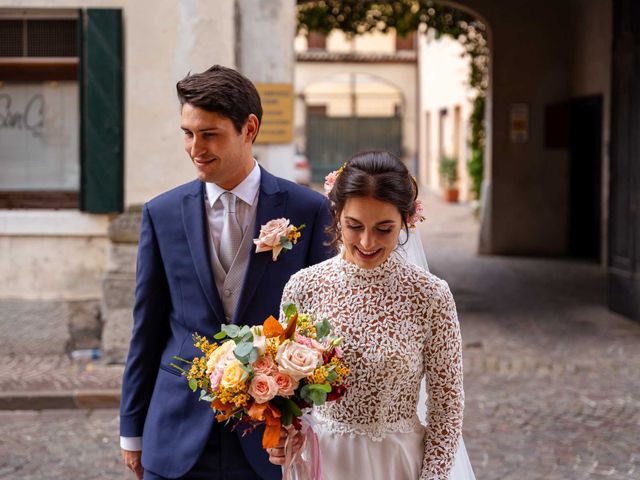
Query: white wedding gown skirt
[{"x": 397, "y": 457}]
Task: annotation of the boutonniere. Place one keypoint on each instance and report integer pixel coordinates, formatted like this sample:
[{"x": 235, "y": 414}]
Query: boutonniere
[{"x": 277, "y": 235}]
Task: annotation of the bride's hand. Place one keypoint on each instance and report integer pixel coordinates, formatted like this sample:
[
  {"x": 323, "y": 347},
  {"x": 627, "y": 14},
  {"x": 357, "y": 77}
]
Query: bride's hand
[{"x": 276, "y": 454}]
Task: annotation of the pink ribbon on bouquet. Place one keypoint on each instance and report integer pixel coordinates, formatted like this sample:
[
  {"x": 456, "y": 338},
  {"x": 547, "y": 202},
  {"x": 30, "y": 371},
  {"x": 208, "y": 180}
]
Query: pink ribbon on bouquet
[{"x": 295, "y": 466}]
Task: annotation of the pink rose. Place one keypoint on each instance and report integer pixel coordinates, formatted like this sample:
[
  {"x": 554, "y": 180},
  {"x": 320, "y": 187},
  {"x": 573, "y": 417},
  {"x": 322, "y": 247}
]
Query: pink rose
[
  {"x": 286, "y": 384},
  {"x": 264, "y": 365},
  {"x": 270, "y": 235},
  {"x": 263, "y": 388},
  {"x": 214, "y": 380},
  {"x": 311, "y": 343},
  {"x": 296, "y": 360},
  {"x": 329, "y": 182}
]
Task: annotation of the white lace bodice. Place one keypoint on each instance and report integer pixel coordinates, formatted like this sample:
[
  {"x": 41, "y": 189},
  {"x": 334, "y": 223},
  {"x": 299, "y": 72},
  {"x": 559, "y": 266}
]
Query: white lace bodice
[{"x": 398, "y": 323}]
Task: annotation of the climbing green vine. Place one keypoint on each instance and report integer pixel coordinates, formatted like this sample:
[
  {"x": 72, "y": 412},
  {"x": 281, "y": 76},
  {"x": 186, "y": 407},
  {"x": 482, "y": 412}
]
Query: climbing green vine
[{"x": 355, "y": 17}]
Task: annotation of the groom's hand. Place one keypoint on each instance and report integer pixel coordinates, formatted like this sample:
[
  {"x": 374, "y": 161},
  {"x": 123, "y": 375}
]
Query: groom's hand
[{"x": 133, "y": 462}]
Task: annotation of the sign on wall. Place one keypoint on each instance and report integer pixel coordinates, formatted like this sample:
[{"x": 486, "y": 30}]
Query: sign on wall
[
  {"x": 277, "y": 116},
  {"x": 39, "y": 135}
]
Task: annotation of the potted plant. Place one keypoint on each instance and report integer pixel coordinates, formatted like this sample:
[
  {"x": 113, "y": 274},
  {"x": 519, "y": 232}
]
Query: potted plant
[{"x": 449, "y": 177}]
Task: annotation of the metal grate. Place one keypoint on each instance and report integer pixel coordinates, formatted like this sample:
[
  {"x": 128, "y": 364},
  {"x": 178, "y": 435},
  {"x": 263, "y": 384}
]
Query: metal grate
[
  {"x": 52, "y": 38},
  {"x": 38, "y": 38},
  {"x": 11, "y": 38}
]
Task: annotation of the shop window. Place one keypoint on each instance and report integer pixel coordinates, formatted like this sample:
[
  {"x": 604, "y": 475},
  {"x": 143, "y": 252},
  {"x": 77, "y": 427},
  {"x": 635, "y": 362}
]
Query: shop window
[{"x": 58, "y": 149}]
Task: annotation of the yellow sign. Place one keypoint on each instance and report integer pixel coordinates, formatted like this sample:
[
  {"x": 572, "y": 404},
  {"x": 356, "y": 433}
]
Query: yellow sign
[{"x": 277, "y": 115}]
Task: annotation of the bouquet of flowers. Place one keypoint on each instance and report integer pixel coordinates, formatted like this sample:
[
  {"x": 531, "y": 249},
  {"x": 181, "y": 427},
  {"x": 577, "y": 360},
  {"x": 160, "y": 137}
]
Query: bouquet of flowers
[{"x": 269, "y": 373}]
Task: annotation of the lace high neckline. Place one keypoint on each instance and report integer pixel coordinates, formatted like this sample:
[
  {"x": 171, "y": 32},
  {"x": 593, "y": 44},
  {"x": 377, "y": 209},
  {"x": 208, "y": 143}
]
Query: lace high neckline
[{"x": 376, "y": 274}]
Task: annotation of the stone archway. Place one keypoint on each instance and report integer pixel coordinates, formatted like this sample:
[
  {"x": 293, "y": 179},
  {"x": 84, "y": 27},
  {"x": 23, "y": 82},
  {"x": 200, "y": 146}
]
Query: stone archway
[{"x": 352, "y": 109}]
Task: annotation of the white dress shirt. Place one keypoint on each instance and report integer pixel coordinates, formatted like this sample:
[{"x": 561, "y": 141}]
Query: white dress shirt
[{"x": 247, "y": 191}]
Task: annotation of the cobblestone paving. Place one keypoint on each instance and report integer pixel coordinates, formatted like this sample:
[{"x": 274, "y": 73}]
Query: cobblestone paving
[
  {"x": 552, "y": 378},
  {"x": 60, "y": 444}
]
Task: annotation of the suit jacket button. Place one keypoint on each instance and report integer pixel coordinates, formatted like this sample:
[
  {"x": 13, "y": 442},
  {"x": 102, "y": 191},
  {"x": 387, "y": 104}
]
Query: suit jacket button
[{"x": 227, "y": 293}]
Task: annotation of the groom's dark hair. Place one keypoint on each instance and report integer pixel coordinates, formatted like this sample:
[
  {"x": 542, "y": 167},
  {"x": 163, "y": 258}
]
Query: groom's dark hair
[
  {"x": 224, "y": 91},
  {"x": 378, "y": 174}
]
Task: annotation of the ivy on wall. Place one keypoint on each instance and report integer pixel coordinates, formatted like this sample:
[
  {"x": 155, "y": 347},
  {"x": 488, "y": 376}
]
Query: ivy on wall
[{"x": 355, "y": 17}]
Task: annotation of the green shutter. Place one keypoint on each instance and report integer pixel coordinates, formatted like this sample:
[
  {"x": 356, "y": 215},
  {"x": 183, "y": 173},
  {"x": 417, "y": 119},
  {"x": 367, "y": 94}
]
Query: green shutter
[{"x": 102, "y": 104}]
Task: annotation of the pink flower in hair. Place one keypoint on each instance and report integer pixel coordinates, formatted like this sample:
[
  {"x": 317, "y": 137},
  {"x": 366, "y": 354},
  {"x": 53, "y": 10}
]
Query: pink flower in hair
[
  {"x": 330, "y": 179},
  {"x": 417, "y": 217},
  {"x": 329, "y": 182}
]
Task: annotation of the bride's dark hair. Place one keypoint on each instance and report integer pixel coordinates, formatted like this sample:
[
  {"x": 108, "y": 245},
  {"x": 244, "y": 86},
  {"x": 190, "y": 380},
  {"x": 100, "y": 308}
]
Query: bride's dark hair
[{"x": 374, "y": 173}]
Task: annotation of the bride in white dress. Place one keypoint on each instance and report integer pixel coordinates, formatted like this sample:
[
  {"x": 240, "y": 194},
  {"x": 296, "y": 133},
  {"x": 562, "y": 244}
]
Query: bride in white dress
[{"x": 399, "y": 325}]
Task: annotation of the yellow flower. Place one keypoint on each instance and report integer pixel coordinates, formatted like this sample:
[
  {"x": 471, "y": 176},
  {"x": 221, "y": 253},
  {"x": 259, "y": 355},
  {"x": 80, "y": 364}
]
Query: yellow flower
[
  {"x": 233, "y": 375},
  {"x": 294, "y": 235},
  {"x": 237, "y": 395},
  {"x": 203, "y": 344},
  {"x": 319, "y": 375},
  {"x": 305, "y": 326},
  {"x": 272, "y": 347},
  {"x": 342, "y": 371}
]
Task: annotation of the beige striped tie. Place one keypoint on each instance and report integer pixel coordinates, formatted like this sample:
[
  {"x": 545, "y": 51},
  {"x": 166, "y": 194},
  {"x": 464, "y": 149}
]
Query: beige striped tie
[{"x": 231, "y": 235}]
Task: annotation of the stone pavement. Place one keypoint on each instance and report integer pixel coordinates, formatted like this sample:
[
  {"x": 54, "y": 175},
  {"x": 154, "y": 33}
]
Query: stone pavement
[{"x": 552, "y": 378}]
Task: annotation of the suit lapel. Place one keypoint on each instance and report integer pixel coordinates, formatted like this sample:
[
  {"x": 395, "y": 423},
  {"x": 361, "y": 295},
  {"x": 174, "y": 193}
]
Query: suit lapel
[
  {"x": 197, "y": 233},
  {"x": 271, "y": 204}
]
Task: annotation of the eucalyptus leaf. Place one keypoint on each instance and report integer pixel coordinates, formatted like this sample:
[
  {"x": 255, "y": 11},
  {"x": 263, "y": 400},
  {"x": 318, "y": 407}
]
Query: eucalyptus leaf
[
  {"x": 231, "y": 330},
  {"x": 243, "y": 349},
  {"x": 323, "y": 329},
  {"x": 331, "y": 376},
  {"x": 206, "y": 396},
  {"x": 286, "y": 244},
  {"x": 220, "y": 335},
  {"x": 253, "y": 356},
  {"x": 322, "y": 387},
  {"x": 247, "y": 337},
  {"x": 315, "y": 394}
]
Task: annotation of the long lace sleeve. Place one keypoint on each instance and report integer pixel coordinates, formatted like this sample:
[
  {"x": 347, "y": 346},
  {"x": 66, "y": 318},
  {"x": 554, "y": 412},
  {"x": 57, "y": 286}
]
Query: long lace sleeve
[
  {"x": 290, "y": 295},
  {"x": 443, "y": 365}
]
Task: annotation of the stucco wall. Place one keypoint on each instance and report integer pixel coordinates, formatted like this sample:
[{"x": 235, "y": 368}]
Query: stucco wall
[{"x": 444, "y": 84}]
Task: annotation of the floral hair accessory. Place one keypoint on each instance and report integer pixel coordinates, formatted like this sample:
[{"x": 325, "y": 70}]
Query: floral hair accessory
[
  {"x": 277, "y": 235},
  {"x": 330, "y": 180},
  {"x": 417, "y": 217}
]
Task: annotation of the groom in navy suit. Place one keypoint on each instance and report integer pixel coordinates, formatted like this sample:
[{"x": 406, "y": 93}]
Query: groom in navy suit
[{"x": 197, "y": 269}]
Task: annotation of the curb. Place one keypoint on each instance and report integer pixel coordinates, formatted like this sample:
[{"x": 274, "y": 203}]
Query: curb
[{"x": 48, "y": 400}]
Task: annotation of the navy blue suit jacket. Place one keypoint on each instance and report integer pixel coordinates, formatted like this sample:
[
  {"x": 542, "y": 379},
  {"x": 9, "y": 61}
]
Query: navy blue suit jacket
[{"x": 176, "y": 295}]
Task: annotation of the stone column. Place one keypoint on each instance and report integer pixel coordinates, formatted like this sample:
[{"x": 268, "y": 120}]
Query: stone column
[
  {"x": 265, "y": 32},
  {"x": 119, "y": 285}
]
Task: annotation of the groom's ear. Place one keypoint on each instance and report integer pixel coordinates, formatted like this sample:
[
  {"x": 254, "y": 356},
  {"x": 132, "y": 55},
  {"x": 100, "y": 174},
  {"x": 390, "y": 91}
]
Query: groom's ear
[{"x": 251, "y": 127}]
